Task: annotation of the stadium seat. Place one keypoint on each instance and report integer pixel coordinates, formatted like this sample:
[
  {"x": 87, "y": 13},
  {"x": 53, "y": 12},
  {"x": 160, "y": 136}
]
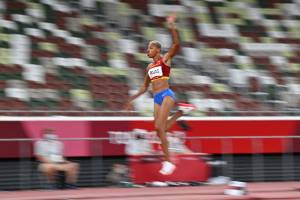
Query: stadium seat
[{"x": 234, "y": 54}]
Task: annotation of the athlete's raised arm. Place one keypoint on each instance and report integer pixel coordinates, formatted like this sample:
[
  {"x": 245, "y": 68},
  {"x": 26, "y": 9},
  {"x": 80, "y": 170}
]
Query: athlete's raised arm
[{"x": 175, "y": 39}]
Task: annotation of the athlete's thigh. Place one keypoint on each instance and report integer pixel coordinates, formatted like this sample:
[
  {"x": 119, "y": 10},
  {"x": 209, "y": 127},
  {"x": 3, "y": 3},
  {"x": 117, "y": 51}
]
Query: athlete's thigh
[
  {"x": 156, "y": 111},
  {"x": 165, "y": 109}
]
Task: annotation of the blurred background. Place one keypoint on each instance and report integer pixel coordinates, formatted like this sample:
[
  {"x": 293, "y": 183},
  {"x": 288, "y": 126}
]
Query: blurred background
[{"x": 85, "y": 57}]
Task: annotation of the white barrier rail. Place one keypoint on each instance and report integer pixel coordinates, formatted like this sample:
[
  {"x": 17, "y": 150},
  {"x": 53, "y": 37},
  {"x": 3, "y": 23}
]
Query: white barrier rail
[{"x": 188, "y": 138}]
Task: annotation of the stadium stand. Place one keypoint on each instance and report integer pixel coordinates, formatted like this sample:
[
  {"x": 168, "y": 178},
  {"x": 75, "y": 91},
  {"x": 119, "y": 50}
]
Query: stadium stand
[{"x": 86, "y": 57}]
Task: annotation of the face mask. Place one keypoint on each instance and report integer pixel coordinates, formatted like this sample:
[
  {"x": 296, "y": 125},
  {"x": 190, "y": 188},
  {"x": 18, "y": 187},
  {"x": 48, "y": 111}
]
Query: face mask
[{"x": 50, "y": 137}]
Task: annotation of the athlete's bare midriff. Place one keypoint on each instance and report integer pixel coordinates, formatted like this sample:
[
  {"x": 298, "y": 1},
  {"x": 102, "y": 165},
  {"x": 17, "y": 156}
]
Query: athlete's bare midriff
[{"x": 159, "y": 85}]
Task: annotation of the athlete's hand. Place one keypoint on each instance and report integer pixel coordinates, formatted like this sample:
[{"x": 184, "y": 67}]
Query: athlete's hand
[
  {"x": 171, "y": 20},
  {"x": 128, "y": 106}
]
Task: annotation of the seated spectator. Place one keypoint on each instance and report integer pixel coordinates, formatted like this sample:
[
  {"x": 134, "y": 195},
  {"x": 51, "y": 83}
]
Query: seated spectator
[{"x": 49, "y": 152}]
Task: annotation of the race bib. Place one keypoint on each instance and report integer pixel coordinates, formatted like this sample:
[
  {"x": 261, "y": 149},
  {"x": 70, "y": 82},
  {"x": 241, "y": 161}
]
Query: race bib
[{"x": 155, "y": 72}]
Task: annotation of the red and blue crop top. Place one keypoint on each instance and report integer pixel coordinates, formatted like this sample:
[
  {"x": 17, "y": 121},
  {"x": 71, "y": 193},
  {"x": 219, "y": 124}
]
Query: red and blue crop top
[{"x": 158, "y": 70}]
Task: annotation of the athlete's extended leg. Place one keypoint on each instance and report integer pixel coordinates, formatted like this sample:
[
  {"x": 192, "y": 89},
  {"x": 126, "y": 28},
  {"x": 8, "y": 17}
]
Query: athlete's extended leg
[{"x": 161, "y": 117}]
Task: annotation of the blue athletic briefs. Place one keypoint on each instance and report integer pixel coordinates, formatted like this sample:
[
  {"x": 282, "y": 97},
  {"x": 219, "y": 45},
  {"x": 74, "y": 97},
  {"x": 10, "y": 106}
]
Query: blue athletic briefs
[{"x": 159, "y": 97}]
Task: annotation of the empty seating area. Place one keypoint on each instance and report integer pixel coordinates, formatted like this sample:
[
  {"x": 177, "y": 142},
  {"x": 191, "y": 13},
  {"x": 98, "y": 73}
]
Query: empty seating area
[{"x": 237, "y": 58}]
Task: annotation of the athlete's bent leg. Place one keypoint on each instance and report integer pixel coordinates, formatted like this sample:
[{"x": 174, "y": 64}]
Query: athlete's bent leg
[
  {"x": 183, "y": 108},
  {"x": 173, "y": 119}
]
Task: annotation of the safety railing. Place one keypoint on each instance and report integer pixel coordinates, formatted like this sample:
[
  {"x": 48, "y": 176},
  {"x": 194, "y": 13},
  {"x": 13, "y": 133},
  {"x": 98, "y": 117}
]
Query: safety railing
[
  {"x": 19, "y": 168},
  {"x": 8, "y": 112}
]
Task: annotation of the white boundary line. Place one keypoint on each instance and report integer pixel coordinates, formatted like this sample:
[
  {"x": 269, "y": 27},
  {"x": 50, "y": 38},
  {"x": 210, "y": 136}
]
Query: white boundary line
[
  {"x": 126, "y": 118},
  {"x": 187, "y": 138}
]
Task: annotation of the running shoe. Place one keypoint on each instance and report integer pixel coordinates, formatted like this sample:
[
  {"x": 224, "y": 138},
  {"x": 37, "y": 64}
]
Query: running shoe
[
  {"x": 186, "y": 108},
  {"x": 167, "y": 168}
]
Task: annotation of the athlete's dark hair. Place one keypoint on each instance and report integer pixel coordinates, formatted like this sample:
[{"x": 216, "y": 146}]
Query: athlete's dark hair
[{"x": 156, "y": 43}]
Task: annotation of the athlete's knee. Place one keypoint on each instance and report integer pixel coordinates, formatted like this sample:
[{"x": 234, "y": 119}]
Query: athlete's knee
[
  {"x": 156, "y": 125},
  {"x": 159, "y": 127}
]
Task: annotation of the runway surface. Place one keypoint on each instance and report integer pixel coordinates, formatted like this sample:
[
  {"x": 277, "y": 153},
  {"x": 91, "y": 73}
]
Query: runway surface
[{"x": 256, "y": 191}]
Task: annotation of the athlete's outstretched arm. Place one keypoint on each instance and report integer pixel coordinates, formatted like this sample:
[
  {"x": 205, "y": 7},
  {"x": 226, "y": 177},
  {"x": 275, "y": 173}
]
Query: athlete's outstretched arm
[
  {"x": 141, "y": 91},
  {"x": 175, "y": 39}
]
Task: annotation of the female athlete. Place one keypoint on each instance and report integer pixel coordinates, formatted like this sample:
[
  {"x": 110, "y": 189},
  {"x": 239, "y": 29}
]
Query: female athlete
[{"x": 158, "y": 73}]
